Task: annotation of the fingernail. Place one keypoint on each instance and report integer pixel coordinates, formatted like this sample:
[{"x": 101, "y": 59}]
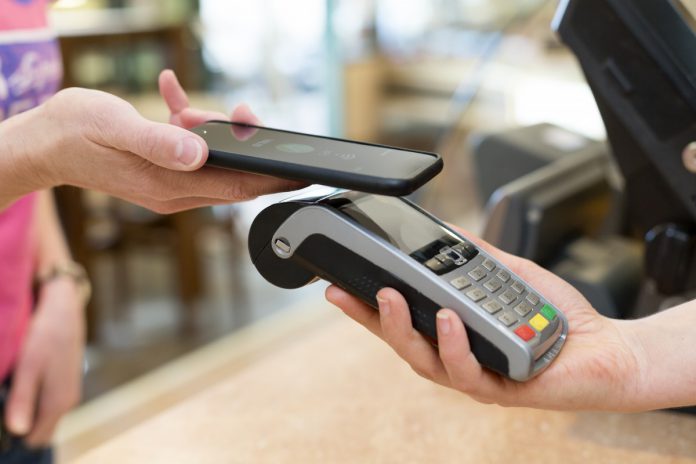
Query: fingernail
[
  {"x": 443, "y": 322},
  {"x": 189, "y": 151},
  {"x": 19, "y": 424},
  {"x": 383, "y": 305}
]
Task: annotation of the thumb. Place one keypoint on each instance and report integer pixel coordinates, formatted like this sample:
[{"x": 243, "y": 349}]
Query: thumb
[{"x": 162, "y": 144}]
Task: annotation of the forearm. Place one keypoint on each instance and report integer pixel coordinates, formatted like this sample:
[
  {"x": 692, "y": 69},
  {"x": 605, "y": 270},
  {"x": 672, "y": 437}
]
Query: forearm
[
  {"x": 665, "y": 344},
  {"x": 52, "y": 248},
  {"x": 47, "y": 375},
  {"x": 22, "y": 145}
]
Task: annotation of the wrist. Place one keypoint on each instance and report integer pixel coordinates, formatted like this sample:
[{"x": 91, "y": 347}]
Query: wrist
[
  {"x": 663, "y": 344},
  {"x": 70, "y": 272},
  {"x": 25, "y": 147},
  {"x": 639, "y": 376}
]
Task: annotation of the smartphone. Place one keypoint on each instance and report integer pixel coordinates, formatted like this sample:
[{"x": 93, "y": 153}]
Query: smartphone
[{"x": 316, "y": 159}]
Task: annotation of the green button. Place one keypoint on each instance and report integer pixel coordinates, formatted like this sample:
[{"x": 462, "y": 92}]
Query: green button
[{"x": 548, "y": 312}]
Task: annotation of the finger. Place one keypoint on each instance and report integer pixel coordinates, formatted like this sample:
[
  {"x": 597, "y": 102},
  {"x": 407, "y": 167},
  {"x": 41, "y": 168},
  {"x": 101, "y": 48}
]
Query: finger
[
  {"x": 45, "y": 424},
  {"x": 173, "y": 94},
  {"x": 180, "y": 204},
  {"x": 191, "y": 117},
  {"x": 59, "y": 394},
  {"x": 178, "y": 103},
  {"x": 243, "y": 114},
  {"x": 464, "y": 371},
  {"x": 22, "y": 400},
  {"x": 42, "y": 437},
  {"x": 404, "y": 339},
  {"x": 355, "y": 309},
  {"x": 249, "y": 185},
  {"x": 243, "y": 132},
  {"x": 221, "y": 184},
  {"x": 184, "y": 204},
  {"x": 148, "y": 185},
  {"x": 194, "y": 190}
]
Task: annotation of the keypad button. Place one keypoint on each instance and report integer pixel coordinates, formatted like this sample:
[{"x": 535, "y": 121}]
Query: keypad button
[
  {"x": 492, "y": 306},
  {"x": 533, "y": 299},
  {"x": 477, "y": 274},
  {"x": 493, "y": 285},
  {"x": 523, "y": 309},
  {"x": 525, "y": 332},
  {"x": 476, "y": 294},
  {"x": 507, "y": 318},
  {"x": 504, "y": 275},
  {"x": 538, "y": 322},
  {"x": 507, "y": 297},
  {"x": 517, "y": 286},
  {"x": 488, "y": 264},
  {"x": 548, "y": 312},
  {"x": 460, "y": 282}
]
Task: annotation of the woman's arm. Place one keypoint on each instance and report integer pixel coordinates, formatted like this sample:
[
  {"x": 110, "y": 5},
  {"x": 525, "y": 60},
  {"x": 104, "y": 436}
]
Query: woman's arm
[
  {"x": 51, "y": 246},
  {"x": 605, "y": 364},
  {"x": 47, "y": 377},
  {"x": 95, "y": 140},
  {"x": 21, "y": 170},
  {"x": 666, "y": 345},
  {"x": 92, "y": 139}
]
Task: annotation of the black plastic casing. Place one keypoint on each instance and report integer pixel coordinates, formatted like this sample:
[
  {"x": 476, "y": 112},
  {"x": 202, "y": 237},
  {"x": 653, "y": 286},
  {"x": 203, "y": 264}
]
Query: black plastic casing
[
  {"x": 639, "y": 58},
  {"x": 323, "y": 176},
  {"x": 321, "y": 257}
]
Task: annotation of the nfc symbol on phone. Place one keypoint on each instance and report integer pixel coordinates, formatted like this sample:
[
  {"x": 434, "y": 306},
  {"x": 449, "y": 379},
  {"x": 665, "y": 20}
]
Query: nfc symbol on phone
[
  {"x": 261, "y": 143},
  {"x": 295, "y": 148}
]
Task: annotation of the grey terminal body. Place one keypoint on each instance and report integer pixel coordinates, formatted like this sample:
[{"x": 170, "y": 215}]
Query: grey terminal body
[{"x": 363, "y": 242}]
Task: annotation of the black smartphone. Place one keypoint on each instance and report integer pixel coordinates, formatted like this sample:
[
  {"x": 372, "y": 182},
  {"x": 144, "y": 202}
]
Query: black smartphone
[{"x": 316, "y": 159}]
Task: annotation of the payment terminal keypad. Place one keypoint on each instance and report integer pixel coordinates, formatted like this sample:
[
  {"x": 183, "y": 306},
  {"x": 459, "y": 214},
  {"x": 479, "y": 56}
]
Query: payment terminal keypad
[{"x": 503, "y": 297}]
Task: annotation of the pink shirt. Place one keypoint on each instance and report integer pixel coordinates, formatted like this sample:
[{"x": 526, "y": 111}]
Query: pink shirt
[{"x": 30, "y": 72}]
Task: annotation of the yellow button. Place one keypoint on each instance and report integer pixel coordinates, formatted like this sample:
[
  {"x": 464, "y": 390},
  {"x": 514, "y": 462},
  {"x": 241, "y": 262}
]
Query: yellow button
[{"x": 538, "y": 322}]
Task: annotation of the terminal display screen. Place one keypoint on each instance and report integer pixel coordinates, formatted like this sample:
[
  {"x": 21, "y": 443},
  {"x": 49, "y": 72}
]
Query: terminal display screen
[{"x": 397, "y": 222}]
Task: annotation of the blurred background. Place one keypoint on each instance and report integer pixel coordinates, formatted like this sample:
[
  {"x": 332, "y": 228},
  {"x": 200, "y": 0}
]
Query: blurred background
[
  {"x": 429, "y": 75},
  {"x": 436, "y": 75}
]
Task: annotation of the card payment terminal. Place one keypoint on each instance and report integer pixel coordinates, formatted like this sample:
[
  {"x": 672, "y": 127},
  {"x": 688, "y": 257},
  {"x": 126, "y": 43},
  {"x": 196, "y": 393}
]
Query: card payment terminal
[{"x": 364, "y": 242}]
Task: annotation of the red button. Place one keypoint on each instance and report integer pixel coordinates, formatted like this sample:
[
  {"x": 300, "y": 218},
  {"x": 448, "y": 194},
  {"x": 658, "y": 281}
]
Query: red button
[{"x": 525, "y": 332}]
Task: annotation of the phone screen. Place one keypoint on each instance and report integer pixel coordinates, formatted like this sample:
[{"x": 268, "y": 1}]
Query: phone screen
[{"x": 314, "y": 151}]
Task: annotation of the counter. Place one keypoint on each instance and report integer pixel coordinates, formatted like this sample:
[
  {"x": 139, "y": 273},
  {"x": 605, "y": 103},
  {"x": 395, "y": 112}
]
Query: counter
[{"x": 333, "y": 393}]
